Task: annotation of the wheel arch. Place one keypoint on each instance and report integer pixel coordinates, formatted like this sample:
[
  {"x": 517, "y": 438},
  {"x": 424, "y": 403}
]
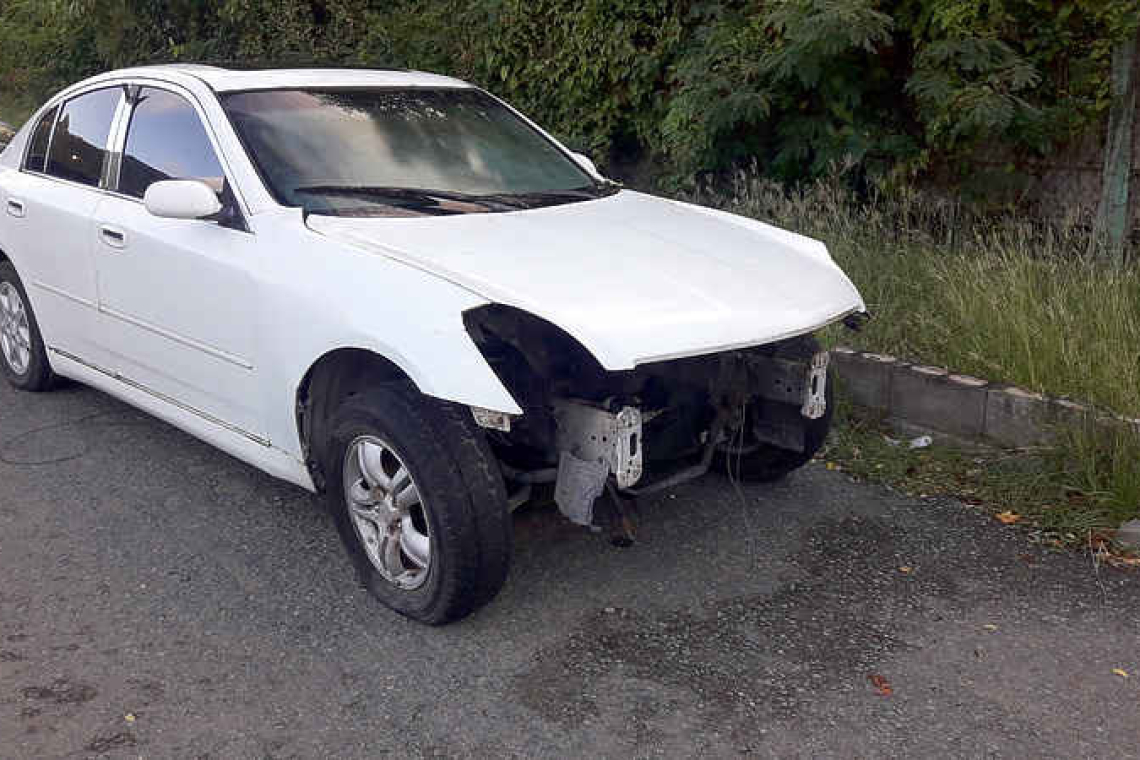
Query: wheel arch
[
  {"x": 335, "y": 376},
  {"x": 546, "y": 350}
]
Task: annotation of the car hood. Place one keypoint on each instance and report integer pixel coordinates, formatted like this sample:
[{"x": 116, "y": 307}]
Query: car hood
[{"x": 632, "y": 277}]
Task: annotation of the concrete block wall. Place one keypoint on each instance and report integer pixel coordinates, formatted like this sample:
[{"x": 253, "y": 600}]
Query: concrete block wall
[{"x": 959, "y": 405}]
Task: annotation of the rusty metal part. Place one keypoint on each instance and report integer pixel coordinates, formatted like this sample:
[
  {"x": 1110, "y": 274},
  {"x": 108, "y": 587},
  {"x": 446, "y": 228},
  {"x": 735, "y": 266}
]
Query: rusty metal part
[{"x": 625, "y": 532}]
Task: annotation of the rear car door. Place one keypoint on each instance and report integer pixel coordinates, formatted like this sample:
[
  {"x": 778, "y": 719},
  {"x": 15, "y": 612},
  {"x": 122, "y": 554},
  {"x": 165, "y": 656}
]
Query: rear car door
[
  {"x": 177, "y": 296},
  {"x": 49, "y": 209}
]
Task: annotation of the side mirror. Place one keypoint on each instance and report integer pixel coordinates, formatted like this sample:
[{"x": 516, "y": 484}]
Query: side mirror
[
  {"x": 181, "y": 199},
  {"x": 586, "y": 163}
]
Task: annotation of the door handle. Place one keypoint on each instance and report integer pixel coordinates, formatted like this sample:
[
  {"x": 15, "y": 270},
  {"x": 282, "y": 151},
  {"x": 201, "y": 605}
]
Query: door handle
[
  {"x": 113, "y": 236},
  {"x": 15, "y": 208}
]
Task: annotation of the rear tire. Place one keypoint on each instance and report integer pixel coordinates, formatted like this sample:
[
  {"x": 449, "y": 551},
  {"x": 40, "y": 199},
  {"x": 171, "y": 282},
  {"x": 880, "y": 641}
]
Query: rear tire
[
  {"x": 450, "y": 553},
  {"x": 23, "y": 358}
]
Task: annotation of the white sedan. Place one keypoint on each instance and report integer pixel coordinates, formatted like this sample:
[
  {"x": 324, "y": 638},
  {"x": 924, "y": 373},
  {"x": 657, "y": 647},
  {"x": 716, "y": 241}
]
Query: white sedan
[{"x": 393, "y": 289}]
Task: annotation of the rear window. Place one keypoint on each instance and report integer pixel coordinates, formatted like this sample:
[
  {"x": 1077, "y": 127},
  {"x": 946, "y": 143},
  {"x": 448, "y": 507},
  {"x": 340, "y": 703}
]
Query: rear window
[
  {"x": 37, "y": 149},
  {"x": 79, "y": 144}
]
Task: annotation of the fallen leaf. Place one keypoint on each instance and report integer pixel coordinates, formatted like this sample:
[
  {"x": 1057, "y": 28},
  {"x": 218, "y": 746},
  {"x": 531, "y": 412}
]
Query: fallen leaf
[
  {"x": 882, "y": 685},
  {"x": 990, "y": 627},
  {"x": 1009, "y": 518},
  {"x": 905, "y": 569},
  {"x": 1120, "y": 672},
  {"x": 129, "y": 717},
  {"x": 832, "y": 466}
]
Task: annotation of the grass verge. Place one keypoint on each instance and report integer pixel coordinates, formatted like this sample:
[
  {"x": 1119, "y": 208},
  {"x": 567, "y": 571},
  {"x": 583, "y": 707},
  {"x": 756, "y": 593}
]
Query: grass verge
[
  {"x": 1008, "y": 299},
  {"x": 1087, "y": 485}
]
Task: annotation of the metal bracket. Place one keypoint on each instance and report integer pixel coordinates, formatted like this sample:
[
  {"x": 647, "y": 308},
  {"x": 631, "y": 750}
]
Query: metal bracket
[
  {"x": 815, "y": 394},
  {"x": 580, "y": 483},
  {"x": 596, "y": 435},
  {"x": 803, "y": 383}
]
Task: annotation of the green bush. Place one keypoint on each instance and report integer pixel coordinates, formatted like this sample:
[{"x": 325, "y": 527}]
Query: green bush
[
  {"x": 693, "y": 86},
  {"x": 591, "y": 70},
  {"x": 800, "y": 84}
]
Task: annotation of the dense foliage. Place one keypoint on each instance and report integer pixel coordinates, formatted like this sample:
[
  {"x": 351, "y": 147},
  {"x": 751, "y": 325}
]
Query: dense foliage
[{"x": 694, "y": 85}]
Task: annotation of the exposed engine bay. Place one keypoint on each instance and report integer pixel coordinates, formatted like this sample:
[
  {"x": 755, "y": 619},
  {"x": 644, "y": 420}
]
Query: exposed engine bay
[{"x": 585, "y": 428}]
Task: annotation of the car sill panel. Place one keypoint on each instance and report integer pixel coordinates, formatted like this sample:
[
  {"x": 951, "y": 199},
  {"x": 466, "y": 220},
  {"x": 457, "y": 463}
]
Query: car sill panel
[{"x": 163, "y": 397}]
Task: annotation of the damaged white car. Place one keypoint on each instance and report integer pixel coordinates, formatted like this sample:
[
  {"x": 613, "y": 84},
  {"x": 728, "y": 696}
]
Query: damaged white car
[{"x": 392, "y": 288}]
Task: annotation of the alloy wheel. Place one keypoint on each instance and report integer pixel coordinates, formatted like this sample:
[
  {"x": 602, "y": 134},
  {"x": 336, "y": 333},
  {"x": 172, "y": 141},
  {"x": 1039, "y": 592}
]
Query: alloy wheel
[
  {"x": 15, "y": 332},
  {"x": 387, "y": 512}
]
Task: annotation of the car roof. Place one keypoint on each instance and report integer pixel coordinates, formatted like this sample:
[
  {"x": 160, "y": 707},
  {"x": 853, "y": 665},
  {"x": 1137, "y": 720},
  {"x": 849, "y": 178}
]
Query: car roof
[{"x": 231, "y": 80}]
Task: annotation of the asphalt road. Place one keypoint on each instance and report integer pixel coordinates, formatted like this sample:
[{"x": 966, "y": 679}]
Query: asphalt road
[{"x": 160, "y": 599}]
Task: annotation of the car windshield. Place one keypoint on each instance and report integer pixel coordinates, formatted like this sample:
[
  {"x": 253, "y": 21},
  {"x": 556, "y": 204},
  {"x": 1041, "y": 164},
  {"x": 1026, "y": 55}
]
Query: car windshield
[{"x": 402, "y": 152}]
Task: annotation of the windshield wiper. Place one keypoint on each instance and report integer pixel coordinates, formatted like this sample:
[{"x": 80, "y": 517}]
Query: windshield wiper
[
  {"x": 427, "y": 198},
  {"x": 546, "y": 197},
  {"x": 414, "y": 196}
]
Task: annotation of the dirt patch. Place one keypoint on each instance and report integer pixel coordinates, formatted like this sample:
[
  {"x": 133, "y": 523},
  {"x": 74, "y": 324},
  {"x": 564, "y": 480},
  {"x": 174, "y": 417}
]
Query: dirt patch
[
  {"x": 61, "y": 692},
  {"x": 110, "y": 742}
]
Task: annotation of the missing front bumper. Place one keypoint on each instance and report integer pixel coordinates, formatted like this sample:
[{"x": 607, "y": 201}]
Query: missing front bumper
[{"x": 607, "y": 438}]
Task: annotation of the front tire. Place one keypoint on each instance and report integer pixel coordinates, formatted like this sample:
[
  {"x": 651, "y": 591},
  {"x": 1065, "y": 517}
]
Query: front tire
[
  {"x": 23, "y": 358},
  {"x": 419, "y": 502}
]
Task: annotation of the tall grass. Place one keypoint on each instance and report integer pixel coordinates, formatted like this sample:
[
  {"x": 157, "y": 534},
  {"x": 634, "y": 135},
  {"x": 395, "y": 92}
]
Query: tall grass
[{"x": 1010, "y": 299}]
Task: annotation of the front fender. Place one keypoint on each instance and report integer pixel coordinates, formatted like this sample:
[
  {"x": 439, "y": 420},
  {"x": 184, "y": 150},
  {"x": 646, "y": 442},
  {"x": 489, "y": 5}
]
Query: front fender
[
  {"x": 447, "y": 365},
  {"x": 325, "y": 295}
]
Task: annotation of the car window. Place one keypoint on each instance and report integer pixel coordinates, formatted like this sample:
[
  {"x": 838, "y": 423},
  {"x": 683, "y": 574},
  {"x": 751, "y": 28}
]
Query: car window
[
  {"x": 37, "y": 150},
  {"x": 79, "y": 143},
  {"x": 166, "y": 140}
]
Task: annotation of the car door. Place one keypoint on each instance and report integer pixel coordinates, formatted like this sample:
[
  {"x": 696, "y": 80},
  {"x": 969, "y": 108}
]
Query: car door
[
  {"x": 49, "y": 209},
  {"x": 177, "y": 296}
]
